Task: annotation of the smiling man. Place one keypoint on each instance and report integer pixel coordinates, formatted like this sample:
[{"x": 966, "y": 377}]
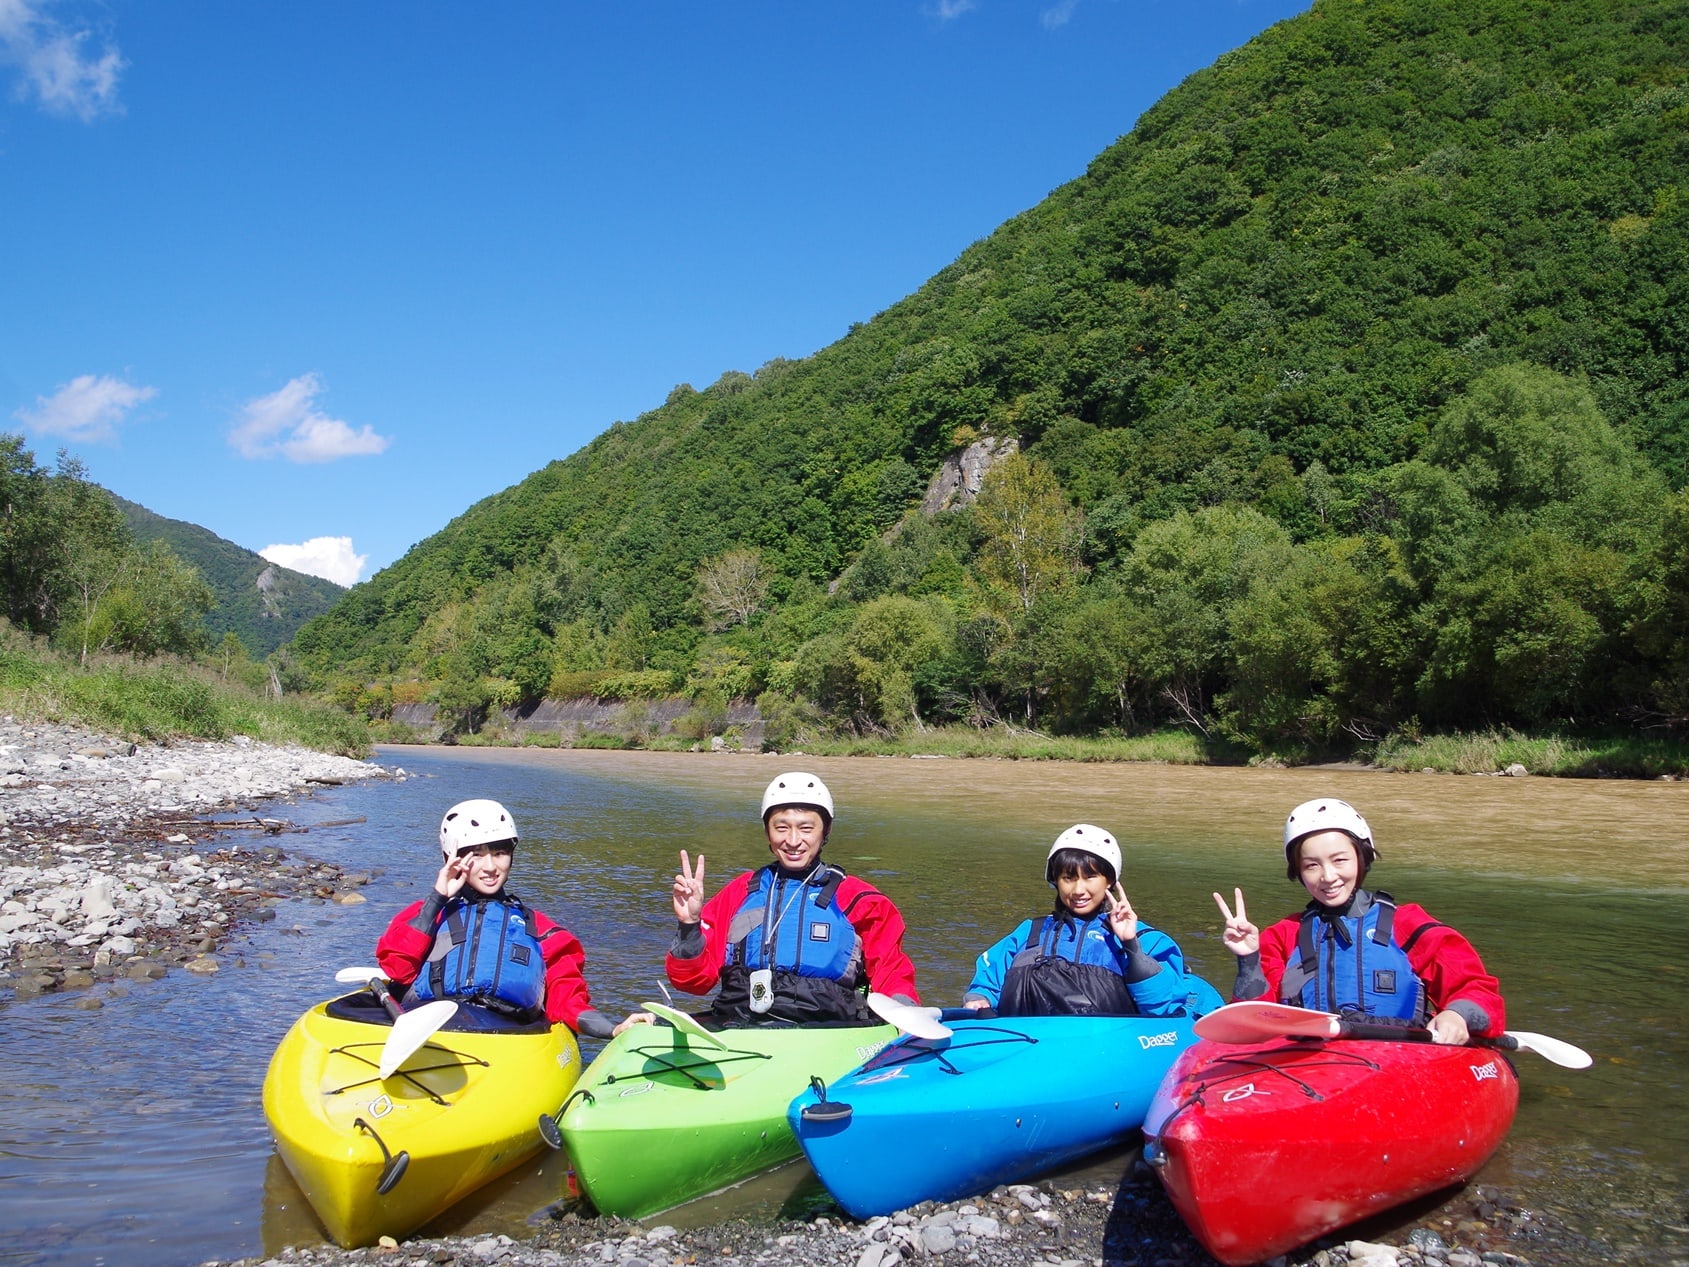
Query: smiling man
[{"x": 797, "y": 940}]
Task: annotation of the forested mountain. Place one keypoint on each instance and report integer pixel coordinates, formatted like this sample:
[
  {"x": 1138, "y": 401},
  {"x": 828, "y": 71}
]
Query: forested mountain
[
  {"x": 1350, "y": 393},
  {"x": 260, "y": 602}
]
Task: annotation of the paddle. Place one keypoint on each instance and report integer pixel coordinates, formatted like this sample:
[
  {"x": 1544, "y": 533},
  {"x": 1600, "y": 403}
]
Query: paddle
[
  {"x": 922, "y": 1022},
  {"x": 410, "y": 1029},
  {"x": 685, "y": 1022},
  {"x": 1257, "y": 1019}
]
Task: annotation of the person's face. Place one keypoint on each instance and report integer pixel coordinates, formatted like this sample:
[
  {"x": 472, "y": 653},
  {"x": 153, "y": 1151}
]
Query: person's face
[
  {"x": 795, "y": 837},
  {"x": 488, "y": 867},
  {"x": 1084, "y": 895},
  {"x": 1329, "y": 866}
]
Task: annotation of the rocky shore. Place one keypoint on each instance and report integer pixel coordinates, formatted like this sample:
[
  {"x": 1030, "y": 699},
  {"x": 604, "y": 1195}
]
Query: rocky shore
[
  {"x": 107, "y": 863},
  {"x": 1019, "y": 1226}
]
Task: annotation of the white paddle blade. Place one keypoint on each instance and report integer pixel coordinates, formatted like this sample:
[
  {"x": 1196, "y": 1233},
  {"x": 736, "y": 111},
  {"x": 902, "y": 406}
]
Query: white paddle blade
[
  {"x": 1554, "y": 1050},
  {"x": 357, "y": 976},
  {"x": 685, "y": 1022},
  {"x": 411, "y": 1030},
  {"x": 918, "y": 1021},
  {"x": 1258, "y": 1021}
]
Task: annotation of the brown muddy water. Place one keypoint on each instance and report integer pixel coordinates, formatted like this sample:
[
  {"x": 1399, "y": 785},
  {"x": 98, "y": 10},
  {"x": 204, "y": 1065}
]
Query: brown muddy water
[{"x": 133, "y": 1135}]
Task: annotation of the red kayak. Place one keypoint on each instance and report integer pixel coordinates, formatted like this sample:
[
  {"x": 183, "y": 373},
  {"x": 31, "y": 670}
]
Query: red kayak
[{"x": 1266, "y": 1146}]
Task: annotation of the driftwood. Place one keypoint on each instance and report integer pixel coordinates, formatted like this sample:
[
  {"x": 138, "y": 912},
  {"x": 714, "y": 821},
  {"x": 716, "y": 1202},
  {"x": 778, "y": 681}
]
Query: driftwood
[{"x": 274, "y": 826}]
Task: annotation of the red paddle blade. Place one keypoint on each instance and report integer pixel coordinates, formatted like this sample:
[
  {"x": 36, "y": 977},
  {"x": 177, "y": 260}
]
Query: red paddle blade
[{"x": 1259, "y": 1021}]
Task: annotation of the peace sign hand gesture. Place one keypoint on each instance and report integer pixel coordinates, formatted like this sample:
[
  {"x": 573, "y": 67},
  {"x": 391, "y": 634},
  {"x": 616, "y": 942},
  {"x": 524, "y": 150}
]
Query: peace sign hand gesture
[
  {"x": 1241, "y": 937},
  {"x": 1121, "y": 917},
  {"x": 689, "y": 890}
]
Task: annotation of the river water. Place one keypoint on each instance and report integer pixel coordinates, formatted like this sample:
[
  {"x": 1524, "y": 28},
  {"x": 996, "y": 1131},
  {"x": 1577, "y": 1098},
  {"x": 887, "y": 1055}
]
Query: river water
[{"x": 133, "y": 1135}]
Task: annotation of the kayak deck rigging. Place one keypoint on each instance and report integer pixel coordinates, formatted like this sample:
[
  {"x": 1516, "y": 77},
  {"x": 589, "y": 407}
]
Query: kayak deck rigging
[
  {"x": 911, "y": 1048},
  {"x": 1248, "y": 1067},
  {"x": 666, "y": 1061},
  {"x": 408, "y": 1071}
]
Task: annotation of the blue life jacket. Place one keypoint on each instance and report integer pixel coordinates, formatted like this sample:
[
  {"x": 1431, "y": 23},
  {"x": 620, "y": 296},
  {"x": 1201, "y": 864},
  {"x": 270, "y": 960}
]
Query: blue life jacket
[
  {"x": 1068, "y": 967},
  {"x": 794, "y": 927},
  {"x": 487, "y": 952},
  {"x": 1353, "y": 965}
]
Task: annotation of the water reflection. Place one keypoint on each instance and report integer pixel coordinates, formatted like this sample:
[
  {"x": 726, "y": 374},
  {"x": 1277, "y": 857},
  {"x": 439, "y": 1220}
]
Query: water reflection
[{"x": 133, "y": 1135}]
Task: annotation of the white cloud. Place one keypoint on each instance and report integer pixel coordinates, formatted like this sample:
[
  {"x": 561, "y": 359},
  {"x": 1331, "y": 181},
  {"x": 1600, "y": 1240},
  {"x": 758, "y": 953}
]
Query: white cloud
[
  {"x": 56, "y": 64},
  {"x": 86, "y": 410},
  {"x": 331, "y": 558},
  {"x": 945, "y": 10},
  {"x": 288, "y": 424},
  {"x": 1059, "y": 14}
]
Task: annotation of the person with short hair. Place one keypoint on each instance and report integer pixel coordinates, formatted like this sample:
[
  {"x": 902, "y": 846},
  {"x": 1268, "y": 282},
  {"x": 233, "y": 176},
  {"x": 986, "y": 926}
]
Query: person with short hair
[
  {"x": 1357, "y": 952},
  {"x": 796, "y": 940},
  {"x": 1092, "y": 955},
  {"x": 474, "y": 941}
]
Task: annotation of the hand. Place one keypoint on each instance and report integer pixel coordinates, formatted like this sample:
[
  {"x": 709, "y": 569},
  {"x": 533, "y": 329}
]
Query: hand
[
  {"x": 975, "y": 1005},
  {"x": 1241, "y": 937},
  {"x": 1450, "y": 1028},
  {"x": 633, "y": 1018},
  {"x": 689, "y": 890},
  {"x": 454, "y": 875},
  {"x": 1121, "y": 917}
]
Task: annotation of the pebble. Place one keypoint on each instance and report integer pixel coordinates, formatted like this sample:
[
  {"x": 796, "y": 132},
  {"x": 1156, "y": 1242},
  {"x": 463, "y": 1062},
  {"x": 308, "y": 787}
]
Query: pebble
[
  {"x": 110, "y": 871},
  {"x": 1132, "y": 1226}
]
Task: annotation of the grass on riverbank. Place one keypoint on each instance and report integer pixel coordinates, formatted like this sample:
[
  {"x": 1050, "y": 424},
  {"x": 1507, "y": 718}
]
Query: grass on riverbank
[
  {"x": 1487, "y": 752},
  {"x": 1171, "y": 747},
  {"x": 162, "y": 699},
  {"x": 1564, "y": 756}
]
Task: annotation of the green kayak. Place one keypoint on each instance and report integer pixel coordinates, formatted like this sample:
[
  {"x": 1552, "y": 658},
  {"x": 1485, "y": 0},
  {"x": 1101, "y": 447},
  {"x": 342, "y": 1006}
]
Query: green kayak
[{"x": 664, "y": 1115}]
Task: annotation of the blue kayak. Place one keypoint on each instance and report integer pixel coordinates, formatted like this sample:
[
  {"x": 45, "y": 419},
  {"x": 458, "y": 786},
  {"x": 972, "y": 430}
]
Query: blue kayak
[{"x": 997, "y": 1102}]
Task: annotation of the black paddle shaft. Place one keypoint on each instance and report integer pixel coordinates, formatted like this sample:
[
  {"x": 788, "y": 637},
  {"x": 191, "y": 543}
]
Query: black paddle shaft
[
  {"x": 1414, "y": 1034},
  {"x": 378, "y": 987}
]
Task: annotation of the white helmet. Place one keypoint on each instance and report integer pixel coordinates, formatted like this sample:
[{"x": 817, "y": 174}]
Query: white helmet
[
  {"x": 797, "y": 788},
  {"x": 471, "y": 823},
  {"x": 1327, "y": 813},
  {"x": 1093, "y": 840}
]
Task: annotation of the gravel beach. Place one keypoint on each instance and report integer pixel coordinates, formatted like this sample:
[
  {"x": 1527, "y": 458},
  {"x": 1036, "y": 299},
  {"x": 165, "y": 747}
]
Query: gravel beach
[
  {"x": 118, "y": 861},
  {"x": 1021, "y": 1226},
  {"x": 109, "y": 867}
]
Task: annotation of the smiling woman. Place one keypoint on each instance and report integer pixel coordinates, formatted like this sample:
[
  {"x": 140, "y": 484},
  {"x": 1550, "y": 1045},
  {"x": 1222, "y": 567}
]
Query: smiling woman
[
  {"x": 1355, "y": 951},
  {"x": 471, "y": 940}
]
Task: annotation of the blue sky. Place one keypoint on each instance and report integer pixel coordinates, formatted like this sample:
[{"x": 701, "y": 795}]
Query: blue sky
[{"x": 330, "y": 272}]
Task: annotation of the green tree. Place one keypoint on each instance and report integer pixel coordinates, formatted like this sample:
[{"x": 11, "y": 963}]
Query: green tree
[
  {"x": 1531, "y": 445},
  {"x": 1187, "y": 572},
  {"x": 1527, "y": 637},
  {"x": 1662, "y": 627},
  {"x": 60, "y": 538},
  {"x": 1030, "y": 534},
  {"x": 889, "y": 642},
  {"x": 1325, "y": 649},
  {"x": 1103, "y": 648}
]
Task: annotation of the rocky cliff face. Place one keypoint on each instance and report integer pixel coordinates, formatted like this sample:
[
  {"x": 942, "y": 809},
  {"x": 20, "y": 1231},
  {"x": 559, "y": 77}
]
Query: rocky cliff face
[{"x": 957, "y": 481}]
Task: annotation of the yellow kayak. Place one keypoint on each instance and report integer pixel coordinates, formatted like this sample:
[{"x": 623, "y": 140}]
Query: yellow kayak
[{"x": 382, "y": 1157}]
